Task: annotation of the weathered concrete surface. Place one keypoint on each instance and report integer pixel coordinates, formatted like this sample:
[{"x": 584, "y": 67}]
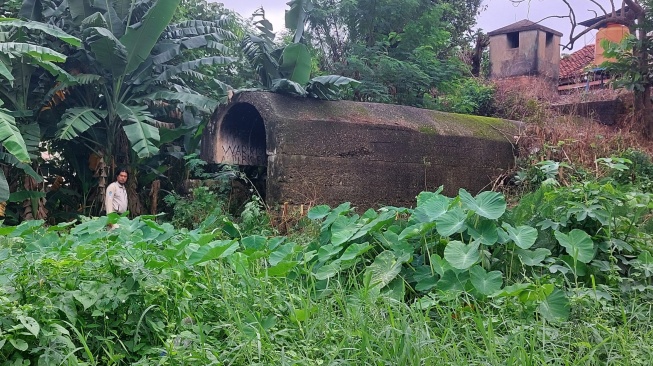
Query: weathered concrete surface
[
  {"x": 604, "y": 111},
  {"x": 366, "y": 153}
]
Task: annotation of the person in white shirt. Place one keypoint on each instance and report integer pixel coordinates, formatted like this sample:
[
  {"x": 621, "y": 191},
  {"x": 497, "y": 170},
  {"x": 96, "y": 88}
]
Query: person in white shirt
[{"x": 116, "y": 196}]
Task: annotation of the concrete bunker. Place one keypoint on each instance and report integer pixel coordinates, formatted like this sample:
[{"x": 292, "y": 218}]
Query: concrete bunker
[{"x": 370, "y": 154}]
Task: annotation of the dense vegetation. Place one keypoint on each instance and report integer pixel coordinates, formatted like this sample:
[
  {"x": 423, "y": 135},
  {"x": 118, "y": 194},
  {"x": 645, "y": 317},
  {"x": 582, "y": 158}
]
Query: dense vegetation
[
  {"x": 558, "y": 269},
  {"x": 564, "y": 277}
]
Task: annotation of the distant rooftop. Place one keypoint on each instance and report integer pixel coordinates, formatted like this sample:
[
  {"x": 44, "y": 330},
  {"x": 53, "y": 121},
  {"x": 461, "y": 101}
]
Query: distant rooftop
[
  {"x": 574, "y": 65},
  {"x": 521, "y": 26}
]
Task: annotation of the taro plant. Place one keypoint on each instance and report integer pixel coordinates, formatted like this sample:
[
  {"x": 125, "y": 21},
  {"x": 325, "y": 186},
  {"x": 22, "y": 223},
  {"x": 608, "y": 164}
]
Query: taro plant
[{"x": 445, "y": 244}]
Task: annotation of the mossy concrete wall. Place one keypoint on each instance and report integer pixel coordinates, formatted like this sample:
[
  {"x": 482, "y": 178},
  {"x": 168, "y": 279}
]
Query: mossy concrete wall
[{"x": 366, "y": 153}]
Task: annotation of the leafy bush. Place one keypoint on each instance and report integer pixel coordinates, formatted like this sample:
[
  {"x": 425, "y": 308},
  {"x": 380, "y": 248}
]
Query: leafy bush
[
  {"x": 190, "y": 211},
  {"x": 462, "y": 266},
  {"x": 469, "y": 96},
  {"x": 640, "y": 173}
]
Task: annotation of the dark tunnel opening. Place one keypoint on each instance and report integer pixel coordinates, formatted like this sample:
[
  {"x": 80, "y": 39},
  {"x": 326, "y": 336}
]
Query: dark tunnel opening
[{"x": 242, "y": 142}]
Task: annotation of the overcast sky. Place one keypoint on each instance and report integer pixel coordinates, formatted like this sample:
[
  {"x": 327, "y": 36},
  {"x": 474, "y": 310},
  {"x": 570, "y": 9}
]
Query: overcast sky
[{"x": 498, "y": 13}]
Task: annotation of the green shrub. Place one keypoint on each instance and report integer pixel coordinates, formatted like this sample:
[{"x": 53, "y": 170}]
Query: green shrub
[
  {"x": 470, "y": 96},
  {"x": 192, "y": 210}
]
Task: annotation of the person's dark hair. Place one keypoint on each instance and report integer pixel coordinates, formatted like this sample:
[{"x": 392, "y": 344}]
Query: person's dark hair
[{"x": 121, "y": 170}]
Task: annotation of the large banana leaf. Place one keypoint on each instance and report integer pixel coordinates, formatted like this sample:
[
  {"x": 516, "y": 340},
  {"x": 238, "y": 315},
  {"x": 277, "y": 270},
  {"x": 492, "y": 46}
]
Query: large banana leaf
[
  {"x": 11, "y": 160},
  {"x": 192, "y": 43},
  {"x": 296, "y": 63},
  {"x": 80, "y": 10},
  {"x": 114, "y": 20},
  {"x": 192, "y": 28},
  {"x": 139, "y": 40},
  {"x": 77, "y": 120},
  {"x": 5, "y": 72},
  {"x": 32, "y": 135},
  {"x": 4, "y": 187},
  {"x": 140, "y": 133},
  {"x": 204, "y": 104},
  {"x": 108, "y": 50},
  {"x": 286, "y": 86},
  {"x": 42, "y": 27},
  {"x": 11, "y": 138},
  {"x": 192, "y": 65},
  {"x": 122, "y": 7},
  {"x": 328, "y": 86},
  {"x": 37, "y": 52},
  {"x": 31, "y": 9},
  {"x": 94, "y": 20},
  {"x": 297, "y": 16}
]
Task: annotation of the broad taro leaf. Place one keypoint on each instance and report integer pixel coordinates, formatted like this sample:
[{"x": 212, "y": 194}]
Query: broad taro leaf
[
  {"x": 440, "y": 265},
  {"x": 11, "y": 138},
  {"x": 430, "y": 207},
  {"x": 555, "y": 307},
  {"x": 384, "y": 269},
  {"x": 453, "y": 281},
  {"x": 487, "y": 204},
  {"x": 140, "y": 39},
  {"x": 578, "y": 244},
  {"x": 213, "y": 250},
  {"x": 487, "y": 283},
  {"x": 296, "y": 63},
  {"x": 484, "y": 231},
  {"x": 461, "y": 255},
  {"x": 77, "y": 120},
  {"x": 108, "y": 50},
  {"x": 318, "y": 212},
  {"x": 523, "y": 236},
  {"x": 327, "y": 271},
  {"x": 140, "y": 133},
  {"x": 533, "y": 257},
  {"x": 451, "y": 222},
  {"x": 343, "y": 229}
]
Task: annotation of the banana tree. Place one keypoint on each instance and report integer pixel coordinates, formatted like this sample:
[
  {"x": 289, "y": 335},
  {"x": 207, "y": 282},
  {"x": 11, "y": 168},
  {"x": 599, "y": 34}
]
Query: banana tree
[
  {"x": 27, "y": 71},
  {"x": 288, "y": 69},
  {"x": 144, "y": 84}
]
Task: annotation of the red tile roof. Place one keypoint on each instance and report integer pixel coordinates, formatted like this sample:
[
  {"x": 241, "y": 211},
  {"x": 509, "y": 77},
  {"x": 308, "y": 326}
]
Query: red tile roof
[{"x": 573, "y": 65}]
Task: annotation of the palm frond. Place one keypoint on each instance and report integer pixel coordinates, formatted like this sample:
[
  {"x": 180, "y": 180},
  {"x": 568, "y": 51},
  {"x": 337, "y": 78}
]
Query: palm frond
[
  {"x": 141, "y": 134},
  {"x": 77, "y": 120}
]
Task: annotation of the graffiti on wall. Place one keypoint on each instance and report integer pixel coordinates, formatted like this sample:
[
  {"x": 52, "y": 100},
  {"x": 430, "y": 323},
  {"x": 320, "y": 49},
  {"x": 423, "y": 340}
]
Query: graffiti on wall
[{"x": 236, "y": 152}]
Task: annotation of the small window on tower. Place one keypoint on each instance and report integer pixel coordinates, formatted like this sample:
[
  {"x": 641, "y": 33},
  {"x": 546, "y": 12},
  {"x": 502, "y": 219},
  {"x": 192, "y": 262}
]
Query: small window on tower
[
  {"x": 513, "y": 40},
  {"x": 549, "y": 39}
]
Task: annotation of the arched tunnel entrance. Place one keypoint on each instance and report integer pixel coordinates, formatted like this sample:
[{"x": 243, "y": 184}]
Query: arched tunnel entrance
[{"x": 242, "y": 142}]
